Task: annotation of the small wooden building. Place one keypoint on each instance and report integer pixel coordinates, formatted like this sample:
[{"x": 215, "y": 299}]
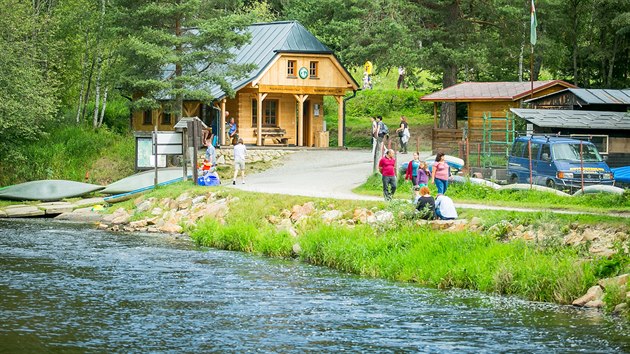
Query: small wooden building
[
  {"x": 609, "y": 131},
  {"x": 492, "y": 99},
  {"x": 282, "y": 99},
  {"x": 584, "y": 99}
]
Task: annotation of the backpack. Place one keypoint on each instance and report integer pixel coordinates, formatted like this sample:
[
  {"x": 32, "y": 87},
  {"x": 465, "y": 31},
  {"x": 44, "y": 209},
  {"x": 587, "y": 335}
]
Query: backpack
[{"x": 383, "y": 129}]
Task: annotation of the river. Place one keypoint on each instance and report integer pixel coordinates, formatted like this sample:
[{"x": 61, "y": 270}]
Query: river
[{"x": 69, "y": 288}]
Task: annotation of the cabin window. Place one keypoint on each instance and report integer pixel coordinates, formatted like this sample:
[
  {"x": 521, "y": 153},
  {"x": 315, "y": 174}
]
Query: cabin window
[
  {"x": 291, "y": 65},
  {"x": 600, "y": 141},
  {"x": 270, "y": 109},
  {"x": 147, "y": 118},
  {"x": 313, "y": 69},
  {"x": 166, "y": 118}
]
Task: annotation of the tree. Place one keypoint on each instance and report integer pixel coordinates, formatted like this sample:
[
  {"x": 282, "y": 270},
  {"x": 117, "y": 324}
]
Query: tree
[
  {"x": 27, "y": 82},
  {"x": 172, "y": 50}
]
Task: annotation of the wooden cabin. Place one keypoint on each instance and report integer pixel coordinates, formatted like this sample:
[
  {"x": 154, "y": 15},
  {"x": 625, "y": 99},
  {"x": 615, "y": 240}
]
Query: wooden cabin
[
  {"x": 489, "y": 99},
  {"x": 281, "y": 101}
]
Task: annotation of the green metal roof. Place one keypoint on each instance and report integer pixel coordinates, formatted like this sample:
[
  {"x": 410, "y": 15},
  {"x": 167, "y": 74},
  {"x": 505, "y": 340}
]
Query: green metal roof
[{"x": 269, "y": 39}]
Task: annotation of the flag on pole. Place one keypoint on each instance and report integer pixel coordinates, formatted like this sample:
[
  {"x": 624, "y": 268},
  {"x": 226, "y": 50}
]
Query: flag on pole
[{"x": 533, "y": 25}]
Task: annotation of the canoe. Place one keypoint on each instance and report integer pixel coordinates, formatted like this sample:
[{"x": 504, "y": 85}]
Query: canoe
[
  {"x": 600, "y": 188},
  {"x": 48, "y": 190},
  {"x": 454, "y": 162},
  {"x": 527, "y": 187},
  {"x": 143, "y": 180},
  {"x": 622, "y": 174},
  {"x": 478, "y": 181}
]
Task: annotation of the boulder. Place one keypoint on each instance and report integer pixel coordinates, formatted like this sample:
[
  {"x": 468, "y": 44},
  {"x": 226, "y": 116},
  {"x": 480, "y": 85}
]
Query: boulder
[
  {"x": 157, "y": 211},
  {"x": 183, "y": 197},
  {"x": 296, "y": 249},
  {"x": 619, "y": 281},
  {"x": 286, "y": 225},
  {"x": 620, "y": 308},
  {"x": 331, "y": 215},
  {"x": 199, "y": 199},
  {"x": 593, "y": 293},
  {"x": 361, "y": 215},
  {"x": 300, "y": 211},
  {"x": 121, "y": 219},
  {"x": 2, "y": 214},
  {"x": 23, "y": 211},
  {"x": 171, "y": 228},
  {"x": 138, "y": 224},
  {"x": 81, "y": 215},
  {"x": 383, "y": 217},
  {"x": 596, "y": 304},
  {"x": 144, "y": 206}
]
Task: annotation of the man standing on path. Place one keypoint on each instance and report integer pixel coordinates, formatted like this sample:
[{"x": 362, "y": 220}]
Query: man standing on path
[
  {"x": 387, "y": 168},
  {"x": 240, "y": 152}
]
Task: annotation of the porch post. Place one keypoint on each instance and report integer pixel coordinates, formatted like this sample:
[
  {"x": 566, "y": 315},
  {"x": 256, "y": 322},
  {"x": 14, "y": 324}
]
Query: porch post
[
  {"x": 340, "y": 127},
  {"x": 222, "y": 124},
  {"x": 435, "y": 115},
  {"x": 260, "y": 117},
  {"x": 300, "y": 99}
]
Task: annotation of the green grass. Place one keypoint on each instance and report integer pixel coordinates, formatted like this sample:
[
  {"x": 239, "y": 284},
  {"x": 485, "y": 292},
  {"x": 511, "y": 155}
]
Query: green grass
[
  {"x": 404, "y": 251},
  {"x": 71, "y": 152},
  {"x": 472, "y": 193}
]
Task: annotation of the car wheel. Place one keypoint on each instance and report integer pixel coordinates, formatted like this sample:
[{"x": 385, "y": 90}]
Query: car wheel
[
  {"x": 513, "y": 179},
  {"x": 551, "y": 183}
]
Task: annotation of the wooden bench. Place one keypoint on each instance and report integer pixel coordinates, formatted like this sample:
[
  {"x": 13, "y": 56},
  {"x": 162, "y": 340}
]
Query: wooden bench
[{"x": 275, "y": 133}]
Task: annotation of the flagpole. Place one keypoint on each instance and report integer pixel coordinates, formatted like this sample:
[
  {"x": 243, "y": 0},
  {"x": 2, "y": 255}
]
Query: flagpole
[
  {"x": 532, "y": 40},
  {"x": 531, "y": 72}
]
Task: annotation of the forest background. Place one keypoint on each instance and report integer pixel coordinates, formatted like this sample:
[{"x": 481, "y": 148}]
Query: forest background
[{"x": 69, "y": 68}]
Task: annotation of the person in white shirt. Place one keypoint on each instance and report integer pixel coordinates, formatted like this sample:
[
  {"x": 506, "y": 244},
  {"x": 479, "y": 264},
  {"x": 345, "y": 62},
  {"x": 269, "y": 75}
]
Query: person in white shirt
[
  {"x": 444, "y": 208},
  {"x": 240, "y": 151}
]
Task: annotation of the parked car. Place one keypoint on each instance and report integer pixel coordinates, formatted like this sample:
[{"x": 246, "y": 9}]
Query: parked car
[{"x": 557, "y": 162}]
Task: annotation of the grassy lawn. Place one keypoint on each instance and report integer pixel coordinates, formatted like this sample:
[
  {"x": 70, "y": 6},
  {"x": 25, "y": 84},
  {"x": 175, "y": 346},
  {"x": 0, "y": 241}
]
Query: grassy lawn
[{"x": 475, "y": 194}]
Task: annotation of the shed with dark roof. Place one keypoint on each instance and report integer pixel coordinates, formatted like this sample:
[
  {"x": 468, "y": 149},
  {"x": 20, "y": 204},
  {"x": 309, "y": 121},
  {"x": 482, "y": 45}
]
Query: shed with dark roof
[
  {"x": 585, "y": 99},
  {"x": 489, "y": 99},
  {"x": 292, "y": 72},
  {"x": 609, "y": 131}
]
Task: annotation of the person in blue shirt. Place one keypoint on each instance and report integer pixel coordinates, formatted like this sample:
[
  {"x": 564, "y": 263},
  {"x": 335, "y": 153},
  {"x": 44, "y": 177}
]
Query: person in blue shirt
[{"x": 232, "y": 135}]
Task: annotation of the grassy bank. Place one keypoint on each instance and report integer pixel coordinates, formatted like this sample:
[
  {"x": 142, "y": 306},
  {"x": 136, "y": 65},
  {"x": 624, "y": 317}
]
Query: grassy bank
[
  {"x": 405, "y": 251},
  {"x": 471, "y": 193},
  {"x": 71, "y": 153}
]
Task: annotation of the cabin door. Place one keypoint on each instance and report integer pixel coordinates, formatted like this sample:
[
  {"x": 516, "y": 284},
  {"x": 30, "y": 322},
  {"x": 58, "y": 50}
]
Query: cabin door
[{"x": 306, "y": 129}]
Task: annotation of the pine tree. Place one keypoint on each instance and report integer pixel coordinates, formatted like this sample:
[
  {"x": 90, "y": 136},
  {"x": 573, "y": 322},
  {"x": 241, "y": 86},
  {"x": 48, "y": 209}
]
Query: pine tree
[{"x": 174, "y": 50}]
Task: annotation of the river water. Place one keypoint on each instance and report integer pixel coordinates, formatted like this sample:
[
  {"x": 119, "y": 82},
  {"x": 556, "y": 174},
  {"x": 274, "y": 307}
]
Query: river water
[{"x": 68, "y": 288}]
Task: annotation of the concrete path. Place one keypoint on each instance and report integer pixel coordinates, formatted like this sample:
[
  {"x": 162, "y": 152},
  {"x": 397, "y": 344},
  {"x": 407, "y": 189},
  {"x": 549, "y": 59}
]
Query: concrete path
[{"x": 315, "y": 173}]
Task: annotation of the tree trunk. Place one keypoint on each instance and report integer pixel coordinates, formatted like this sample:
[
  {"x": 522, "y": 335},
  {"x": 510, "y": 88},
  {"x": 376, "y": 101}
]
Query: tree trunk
[
  {"x": 448, "y": 117},
  {"x": 179, "y": 99},
  {"x": 100, "y": 121},
  {"x": 611, "y": 64},
  {"x": 99, "y": 67}
]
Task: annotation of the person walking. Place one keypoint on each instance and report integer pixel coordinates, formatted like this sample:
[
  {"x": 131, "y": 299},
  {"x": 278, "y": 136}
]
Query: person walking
[
  {"x": 387, "y": 168},
  {"x": 411, "y": 174},
  {"x": 403, "y": 134},
  {"x": 441, "y": 172},
  {"x": 401, "y": 78},
  {"x": 240, "y": 152}
]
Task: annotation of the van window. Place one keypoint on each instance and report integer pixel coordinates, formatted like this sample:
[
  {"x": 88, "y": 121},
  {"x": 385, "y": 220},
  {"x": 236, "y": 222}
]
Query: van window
[
  {"x": 535, "y": 149},
  {"x": 518, "y": 148},
  {"x": 571, "y": 152},
  {"x": 545, "y": 153}
]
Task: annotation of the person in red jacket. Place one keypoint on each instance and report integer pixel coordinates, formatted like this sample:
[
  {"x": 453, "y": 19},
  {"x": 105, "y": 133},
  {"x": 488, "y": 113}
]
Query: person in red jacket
[{"x": 387, "y": 168}]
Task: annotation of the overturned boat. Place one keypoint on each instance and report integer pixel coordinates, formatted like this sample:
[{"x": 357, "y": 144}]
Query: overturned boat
[{"x": 48, "y": 190}]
